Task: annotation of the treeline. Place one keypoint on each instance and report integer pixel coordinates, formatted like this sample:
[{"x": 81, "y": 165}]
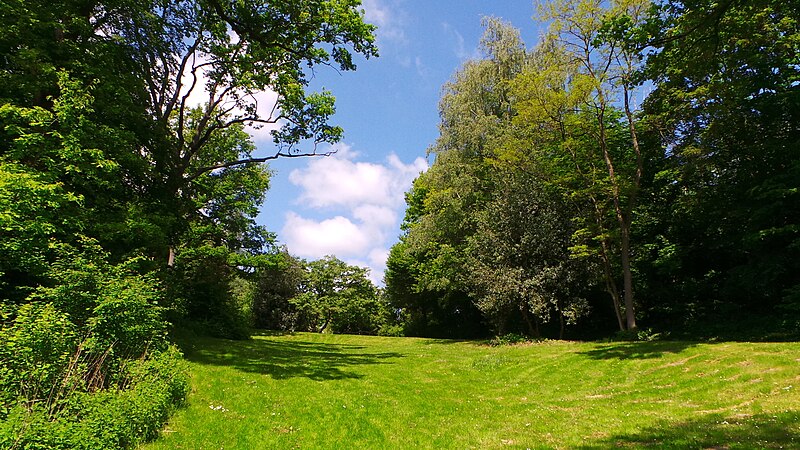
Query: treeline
[
  {"x": 129, "y": 186},
  {"x": 638, "y": 168}
]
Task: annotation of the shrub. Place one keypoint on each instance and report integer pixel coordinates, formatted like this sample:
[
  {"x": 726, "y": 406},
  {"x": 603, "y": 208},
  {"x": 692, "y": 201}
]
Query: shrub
[
  {"x": 110, "y": 419},
  {"x": 643, "y": 335},
  {"x": 37, "y": 348},
  {"x": 509, "y": 339}
]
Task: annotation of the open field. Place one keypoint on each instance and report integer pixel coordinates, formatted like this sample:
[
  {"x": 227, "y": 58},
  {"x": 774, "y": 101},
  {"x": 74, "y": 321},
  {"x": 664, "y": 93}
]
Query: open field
[{"x": 347, "y": 392}]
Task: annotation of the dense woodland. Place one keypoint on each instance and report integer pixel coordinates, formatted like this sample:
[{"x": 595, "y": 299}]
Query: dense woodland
[{"x": 639, "y": 168}]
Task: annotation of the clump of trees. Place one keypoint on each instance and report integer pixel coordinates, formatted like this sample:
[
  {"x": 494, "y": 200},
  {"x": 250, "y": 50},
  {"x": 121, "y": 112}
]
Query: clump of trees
[
  {"x": 638, "y": 165},
  {"x": 325, "y": 296},
  {"x": 129, "y": 185}
]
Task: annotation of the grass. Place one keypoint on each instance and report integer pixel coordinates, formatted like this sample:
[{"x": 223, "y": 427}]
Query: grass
[{"x": 346, "y": 392}]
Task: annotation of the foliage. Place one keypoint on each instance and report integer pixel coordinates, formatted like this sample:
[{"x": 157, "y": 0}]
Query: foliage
[
  {"x": 520, "y": 263},
  {"x": 509, "y": 339},
  {"x": 685, "y": 195},
  {"x": 202, "y": 286},
  {"x": 111, "y": 419},
  {"x": 725, "y": 105},
  {"x": 428, "y": 276},
  {"x": 637, "y": 335},
  {"x": 326, "y": 296},
  {"x": 275, "y": 287}
]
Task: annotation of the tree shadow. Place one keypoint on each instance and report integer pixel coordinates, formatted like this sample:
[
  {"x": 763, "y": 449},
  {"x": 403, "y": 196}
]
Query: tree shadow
[
  {"x": 441, "y": 341},
  {"x": 716, "y": 431},
  {"x": 289, "y": 359},
  {"x": 637, "y": 350}
]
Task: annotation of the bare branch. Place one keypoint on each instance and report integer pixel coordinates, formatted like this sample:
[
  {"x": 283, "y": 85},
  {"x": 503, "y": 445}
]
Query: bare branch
[{"x": 247, "y": 161}]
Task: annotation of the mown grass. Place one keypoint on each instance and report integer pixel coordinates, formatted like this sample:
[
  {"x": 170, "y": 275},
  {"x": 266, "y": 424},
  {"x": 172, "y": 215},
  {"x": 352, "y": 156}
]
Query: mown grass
[{"x": 346, "y": 392}]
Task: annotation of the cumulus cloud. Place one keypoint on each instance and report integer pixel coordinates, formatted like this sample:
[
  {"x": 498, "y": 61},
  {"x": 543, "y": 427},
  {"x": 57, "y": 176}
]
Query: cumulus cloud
[
  {"x": 342, "y": 181},
  {"x": 314, "y": 239},
  {"x": 365, "y": 200}
]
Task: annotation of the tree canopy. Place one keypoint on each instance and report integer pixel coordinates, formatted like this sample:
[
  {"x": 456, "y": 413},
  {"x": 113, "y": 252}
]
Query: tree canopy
[
  {"x": 648, "y": 150},
  {"x": 130, "y": 183}
]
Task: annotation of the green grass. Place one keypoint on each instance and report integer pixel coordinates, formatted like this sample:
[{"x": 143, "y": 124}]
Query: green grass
[{"x": 346, "y": 392}]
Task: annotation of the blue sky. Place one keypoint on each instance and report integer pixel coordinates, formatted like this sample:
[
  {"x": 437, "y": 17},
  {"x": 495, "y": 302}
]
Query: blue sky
[{"x": 351, "y": 204}]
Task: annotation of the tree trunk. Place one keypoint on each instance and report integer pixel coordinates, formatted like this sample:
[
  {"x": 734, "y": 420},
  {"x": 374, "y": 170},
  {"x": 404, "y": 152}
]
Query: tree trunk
[
  {"x": 324, "y": 325},
  {"x": 627, "y": 279},
  {"x": 626, "y": 229},
  {"x": 533, "y": 331},
  {"x": 611, "y": 286}
]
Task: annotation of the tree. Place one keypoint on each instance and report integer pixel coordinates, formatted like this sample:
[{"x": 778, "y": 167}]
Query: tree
[
  {"x": 276, "y": 285},
  {"x": 589, "y": 66},
  {"x": 171, "y": 78},
  {"x": 337, "y": 297},
  {"x": 725, "y": 106},
  {"x": 475, "y": 111},
  {"x": 158, "y": 153},
  {"x": 520, "y": 260}
]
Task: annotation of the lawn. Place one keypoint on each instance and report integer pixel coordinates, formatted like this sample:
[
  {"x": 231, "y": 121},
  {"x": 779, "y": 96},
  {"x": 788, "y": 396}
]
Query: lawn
[{"x": 358, "y": 392}]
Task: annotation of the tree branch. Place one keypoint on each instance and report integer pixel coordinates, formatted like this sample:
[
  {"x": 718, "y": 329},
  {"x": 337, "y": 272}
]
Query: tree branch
[{"x": 246, "y": 161}]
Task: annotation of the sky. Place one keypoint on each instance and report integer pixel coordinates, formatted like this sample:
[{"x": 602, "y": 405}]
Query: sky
[{"x": 350, "y": 205}]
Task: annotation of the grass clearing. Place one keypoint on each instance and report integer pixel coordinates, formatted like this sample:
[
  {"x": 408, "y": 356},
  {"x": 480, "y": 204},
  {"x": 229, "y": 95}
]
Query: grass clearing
[{"x": 335, "y": 391}]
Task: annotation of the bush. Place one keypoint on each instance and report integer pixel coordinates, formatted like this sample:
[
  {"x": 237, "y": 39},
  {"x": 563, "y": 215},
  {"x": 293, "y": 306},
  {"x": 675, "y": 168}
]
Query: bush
[
  {"x": 110, "y": 419},
  {"x": 36, "y": 351},
  {"x": 509, "y": 339},
  {"x": 215, "y": 301},
  {"x": 391, "y": 330},
  {"x": 85, "y": 362},
  {"x": 644, "y": 335}
]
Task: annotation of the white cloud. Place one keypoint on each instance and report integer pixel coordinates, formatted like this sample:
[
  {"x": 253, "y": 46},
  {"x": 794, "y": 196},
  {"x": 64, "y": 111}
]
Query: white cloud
[
  {"x": 388, "y": 20},
  {"x": 379, "y": 217},
  {"x": 367, "y": 200},
  {"x": 377, "y": 257},
  {"x": 313, "y": 239},
  {"x": 341, "y": 181}
]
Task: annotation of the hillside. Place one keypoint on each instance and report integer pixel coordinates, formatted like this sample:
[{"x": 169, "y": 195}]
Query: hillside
[{"x": 336, "y": 391}]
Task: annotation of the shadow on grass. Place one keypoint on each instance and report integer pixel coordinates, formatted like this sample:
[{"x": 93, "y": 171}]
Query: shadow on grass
[
  {"x": 781, "y": 430},
  {"x": 440, "y": 341},
  {"x": 288, "y": 359},
  {"x": 637, "y": 350}
]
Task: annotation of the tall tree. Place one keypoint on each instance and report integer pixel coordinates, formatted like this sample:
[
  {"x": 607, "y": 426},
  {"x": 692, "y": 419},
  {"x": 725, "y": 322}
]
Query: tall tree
[
  {"x": 727, "y": 84},
  {"x": 475, "y": 111},
  {"x": 595, "y": 42},
  {"x": 173, "y": 77},
  {"x": 159, "y": 153}
]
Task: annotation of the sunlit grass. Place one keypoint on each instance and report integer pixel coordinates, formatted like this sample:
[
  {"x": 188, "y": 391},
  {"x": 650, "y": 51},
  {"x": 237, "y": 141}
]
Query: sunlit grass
[{"x": 334, "y": 391}]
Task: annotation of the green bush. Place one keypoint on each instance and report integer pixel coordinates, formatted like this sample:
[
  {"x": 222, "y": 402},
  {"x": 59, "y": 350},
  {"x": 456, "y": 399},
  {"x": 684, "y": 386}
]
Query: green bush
[
  {"x": 85, "y": 362},
  {"x": 509, "y": 339},
  {"x": 391, "y": 330},
  {"x": 109, "y": 419},
  {"x": 37, "y": 348},
  {"x": 643, "y": 335}
]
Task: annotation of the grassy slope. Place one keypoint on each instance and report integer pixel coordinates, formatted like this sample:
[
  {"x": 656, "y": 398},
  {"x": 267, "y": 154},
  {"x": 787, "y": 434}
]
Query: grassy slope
[{"x": 324, "y": 391}]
